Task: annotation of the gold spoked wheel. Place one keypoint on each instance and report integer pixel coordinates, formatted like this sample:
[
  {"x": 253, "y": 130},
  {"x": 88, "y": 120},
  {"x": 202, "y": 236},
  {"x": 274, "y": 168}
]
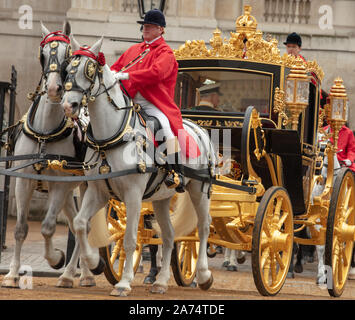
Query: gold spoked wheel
[
  {"x": 272, "y": 241},
  {"x": 340, "y": 231},
  {"x": 183, "y": 261},
  {"x": 114, "y": 254}
]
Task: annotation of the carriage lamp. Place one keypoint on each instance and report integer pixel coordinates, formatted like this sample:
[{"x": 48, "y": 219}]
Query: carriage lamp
[
  {"x": 338, "y": 108},
  {"x": 297, "y": 91},
  {"x": 146, "y": 5}
]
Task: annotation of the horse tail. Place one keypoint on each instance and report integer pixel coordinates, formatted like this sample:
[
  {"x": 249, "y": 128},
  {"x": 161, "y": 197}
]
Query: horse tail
[{"x": 183, "y": 218}]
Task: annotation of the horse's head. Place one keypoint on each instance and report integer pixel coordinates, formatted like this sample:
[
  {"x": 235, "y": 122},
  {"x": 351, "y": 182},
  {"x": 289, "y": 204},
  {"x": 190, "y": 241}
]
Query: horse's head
[
  {"x": 54, "y": 54},
  {"x": 81, "y": 76}
]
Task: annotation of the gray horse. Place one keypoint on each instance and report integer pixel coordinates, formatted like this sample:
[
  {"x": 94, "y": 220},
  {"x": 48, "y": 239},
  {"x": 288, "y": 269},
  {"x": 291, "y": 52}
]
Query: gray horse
[
  {"x": 107, "y": 116},
  {"x": 45, "y": 119}
]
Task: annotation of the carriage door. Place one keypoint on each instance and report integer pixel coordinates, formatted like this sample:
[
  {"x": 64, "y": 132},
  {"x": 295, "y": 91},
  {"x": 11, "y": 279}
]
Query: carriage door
[
  {"x": 309, "y": 128},
  {"x": 7, "y": 114}
]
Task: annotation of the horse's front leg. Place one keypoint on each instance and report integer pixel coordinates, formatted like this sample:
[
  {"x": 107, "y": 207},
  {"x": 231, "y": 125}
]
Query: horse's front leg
[
  {"x": 66, "y": 280},
  {"x": 133, "y": 209},
  {"x": 93, "y": 201},
  {"x": 23, "y": 193},
  {"x": 321, "y": 276},
  {"x": 57, "y": 197},
  {"x": 162, "y": 213}
]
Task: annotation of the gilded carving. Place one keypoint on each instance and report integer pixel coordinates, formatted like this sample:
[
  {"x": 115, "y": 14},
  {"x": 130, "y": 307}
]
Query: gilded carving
[
  {"x": 280, "y": 105},
  {"x": 217, "y": 123},
  {"x": 312, "y": 66},
  {"x": 246, "y": 43}
]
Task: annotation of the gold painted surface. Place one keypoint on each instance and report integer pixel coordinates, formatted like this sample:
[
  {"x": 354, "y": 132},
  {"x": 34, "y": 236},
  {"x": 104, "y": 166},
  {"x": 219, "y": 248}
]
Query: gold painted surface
[
  {"x": 255, "y": 49},
  {"x": 280, "y": 106},
  {"x": 68, "y": 86},
  {"x": 54, "y": 44},
  {"x": 343, "y": 233},
  {"x": 53, "y": 67},
  {"x": 298, "y": 73},
  {"x": 275, "y": 242}
]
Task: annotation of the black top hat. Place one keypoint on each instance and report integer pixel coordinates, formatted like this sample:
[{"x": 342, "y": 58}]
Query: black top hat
[
  {"x": 294, "y": 38},
  {"x": 154, "y": 16}
]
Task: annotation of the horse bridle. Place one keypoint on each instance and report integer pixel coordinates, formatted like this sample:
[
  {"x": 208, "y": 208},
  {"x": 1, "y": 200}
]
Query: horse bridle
[
  {"x": 92, "y": 69},
  {"x": 53, "y": 64}
]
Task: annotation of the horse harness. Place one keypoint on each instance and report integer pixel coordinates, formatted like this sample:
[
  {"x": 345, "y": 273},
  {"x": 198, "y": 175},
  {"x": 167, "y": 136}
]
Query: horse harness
[
  {"x": 125, "y": 133},
  {"x": 41, "y": 160},
  {"x": 53, "y": 65},
  {"x": 67, "y": 164},
  {"x": 91, "y": 71}
]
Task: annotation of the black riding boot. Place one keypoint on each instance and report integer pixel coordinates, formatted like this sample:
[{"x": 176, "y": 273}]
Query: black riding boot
[{"x": 175, "y": 177}]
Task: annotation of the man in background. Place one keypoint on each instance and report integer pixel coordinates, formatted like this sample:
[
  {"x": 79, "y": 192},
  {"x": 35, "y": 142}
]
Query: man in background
[{"x": 209, "y": 97}]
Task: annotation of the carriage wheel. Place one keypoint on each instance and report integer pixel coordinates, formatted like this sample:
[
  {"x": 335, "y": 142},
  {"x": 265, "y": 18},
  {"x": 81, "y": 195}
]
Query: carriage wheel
[
  {"x": 184, "y": 261},
  {"x": 340, "y": 231},
  {"x": 272, "y": 241},
  {"x": 114, "y": 254}
]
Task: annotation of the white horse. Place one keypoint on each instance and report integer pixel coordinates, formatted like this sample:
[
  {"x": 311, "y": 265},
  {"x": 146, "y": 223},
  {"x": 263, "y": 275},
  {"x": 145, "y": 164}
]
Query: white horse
[
  {"x": 231, "y": 257},
  {"x": 106, "y": 119},
  {"x": 317, "y": 191},
  {"x": 47, "y": 118}
]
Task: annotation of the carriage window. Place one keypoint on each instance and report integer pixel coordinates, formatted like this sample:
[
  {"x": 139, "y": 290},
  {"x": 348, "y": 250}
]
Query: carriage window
[{"x": 225, "y": 91}]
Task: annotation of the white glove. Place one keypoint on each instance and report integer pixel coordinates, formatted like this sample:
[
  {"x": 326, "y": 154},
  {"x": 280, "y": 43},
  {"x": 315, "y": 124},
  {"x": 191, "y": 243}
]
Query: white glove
[
  {"x": 121, "y": 76},
  {"x": 347, "y": 162}
]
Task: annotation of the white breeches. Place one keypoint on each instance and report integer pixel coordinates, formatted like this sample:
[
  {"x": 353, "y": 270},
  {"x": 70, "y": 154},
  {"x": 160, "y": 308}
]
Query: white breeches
[{"x": 153, "y": 111}]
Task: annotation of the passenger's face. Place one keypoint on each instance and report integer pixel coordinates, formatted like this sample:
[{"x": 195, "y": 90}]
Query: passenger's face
[
  {"x": 293, "y": 49},
  {"x": 215, "y": 99},
  {"x": 151, "y": 31}
]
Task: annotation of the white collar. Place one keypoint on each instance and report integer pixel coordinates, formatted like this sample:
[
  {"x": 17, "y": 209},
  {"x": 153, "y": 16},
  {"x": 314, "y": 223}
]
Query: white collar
[{"x": 150, "y": 42}]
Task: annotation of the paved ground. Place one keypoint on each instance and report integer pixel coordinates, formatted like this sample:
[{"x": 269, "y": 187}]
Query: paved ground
[
  {"x": 33, "y": 249},
  {"x": 227, "y": 285}
]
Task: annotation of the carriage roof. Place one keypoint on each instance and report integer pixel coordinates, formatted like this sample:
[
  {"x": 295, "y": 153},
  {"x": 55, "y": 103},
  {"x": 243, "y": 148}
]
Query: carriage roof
[
  {"x": 245, "y": 52},
  {"x": 256, "y": 54}
]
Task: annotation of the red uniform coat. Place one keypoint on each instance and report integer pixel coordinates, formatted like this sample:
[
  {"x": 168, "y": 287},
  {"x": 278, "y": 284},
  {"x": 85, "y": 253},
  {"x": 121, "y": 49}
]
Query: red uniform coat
[
  {"x": 346, "y": 143},
  {"x": 155, "y": 77}
]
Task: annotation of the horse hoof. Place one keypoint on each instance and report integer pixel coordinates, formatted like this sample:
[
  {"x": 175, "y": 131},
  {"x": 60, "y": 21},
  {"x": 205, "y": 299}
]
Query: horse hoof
[
  {"x": 321, "y": 282},
  {"x": 61, "y": 262},
  {"x": 232, "y": 268},
  {"x": 87, "y": 282},
  {"x": 11, "y": 283},
  {"x": 158, "y": 288},
  {"x": 149, "y": 279},
  {"x": 100, "y": 268},
  {"x": 225, "y": 264},
  {"x": 65, "y": 283},
  {"x": 219, "y": 249},
  {"x": 298, "y": 268},
  {"x": 205, "y": 286},
  {"x": 290, "y": 275},
  {"x": 120, "y": 292},
  {"x": 241, "y": 260}
]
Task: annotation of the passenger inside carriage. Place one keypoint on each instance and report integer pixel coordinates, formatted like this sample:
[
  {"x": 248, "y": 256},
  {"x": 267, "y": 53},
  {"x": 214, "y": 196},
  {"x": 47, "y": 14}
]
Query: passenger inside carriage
[
  {"x": 228, "y": 90},
  {"x": 209, "y": 97}
]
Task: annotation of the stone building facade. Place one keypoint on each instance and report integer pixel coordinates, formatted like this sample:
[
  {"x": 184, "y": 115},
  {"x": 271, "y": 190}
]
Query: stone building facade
[{"x": 327, "y": 28}]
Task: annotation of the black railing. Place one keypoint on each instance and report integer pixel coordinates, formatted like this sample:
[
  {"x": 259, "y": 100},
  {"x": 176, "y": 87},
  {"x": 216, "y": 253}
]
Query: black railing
[{"x": 5, "y": 88}]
